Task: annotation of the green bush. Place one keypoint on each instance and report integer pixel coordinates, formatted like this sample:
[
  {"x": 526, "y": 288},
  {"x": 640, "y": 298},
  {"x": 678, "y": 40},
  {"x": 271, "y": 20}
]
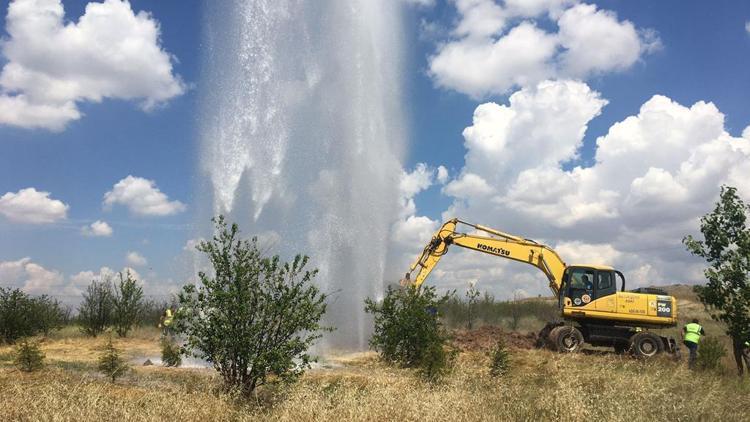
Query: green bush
[
  {"x": 110, "y": 362},
  {"x": 255, "y": 317},
  {"x": 437, "y": 361},
  {"x": 710, "y": 353},
  {"x": 499, "y": 359},
  {"x": 170, "y": 352},
  {"x": 127, "y": 304},
  {"x": 95, "y": 312},
  {"x": 24, "y": 316},
  {"x": 28, "y": 357},
  {"x": 407, "y": 329}
]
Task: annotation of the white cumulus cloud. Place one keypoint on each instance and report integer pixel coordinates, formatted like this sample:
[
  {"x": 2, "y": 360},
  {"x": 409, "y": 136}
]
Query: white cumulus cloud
[
  {"x": 135, "y": 259},
  {"x": 142, "y": 197},
  {"x": 654, "y": 174},
  {"x": 495, "y": 47},
  {"x": 32, "y": 207},
  {"x": 420, "y": 3},
  {"x": 442, "y": 175},
  {"x": 31, "y": 277},
  {"x": 52, "y": 63},
  {"x": 97, "y": 229}
]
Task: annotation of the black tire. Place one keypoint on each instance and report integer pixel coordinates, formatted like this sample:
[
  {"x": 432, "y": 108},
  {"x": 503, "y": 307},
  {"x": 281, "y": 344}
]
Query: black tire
[
  {"x": 621, "y": 348},
  {"x": 543, "y": 338},
  {"x": 552, "y": 338},
  {"x": 646, "y": 345},
  {"x": 568, "y": 339}
]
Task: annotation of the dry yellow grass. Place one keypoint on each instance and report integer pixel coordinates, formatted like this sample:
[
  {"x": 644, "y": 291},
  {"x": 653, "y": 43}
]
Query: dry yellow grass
[{"x": 541, "y": 386}]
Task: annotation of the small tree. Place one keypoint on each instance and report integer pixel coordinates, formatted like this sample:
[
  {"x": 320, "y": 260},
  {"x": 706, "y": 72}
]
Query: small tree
[
  {"x": 499, "y": 359},
  {"x": 710, "y": 354},
  {"x": 127, "y": 303},
  {"x": 407, "y": 327},
  {"x": 28, "y": 356},
  {"x": 726, "y": 249},
  {"x": 170, "y": 352},
  {"x": 472, "y": 297},
  {"x": 17, "y": 317},
  {"x": 95, "y": 312},
  {"x": 437, "y": 361},
  {"x": 23, "y": 316},
  {"x": 516, "y": 312},
  {"x": 49, "y": 314},
  {"x": 255, "y": 316},
  {"x": 110, "y": 362}
]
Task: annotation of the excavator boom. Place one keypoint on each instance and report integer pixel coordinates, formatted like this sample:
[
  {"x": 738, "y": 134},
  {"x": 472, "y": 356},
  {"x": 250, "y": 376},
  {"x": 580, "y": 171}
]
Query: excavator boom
[{"x": 490, "y": 241}]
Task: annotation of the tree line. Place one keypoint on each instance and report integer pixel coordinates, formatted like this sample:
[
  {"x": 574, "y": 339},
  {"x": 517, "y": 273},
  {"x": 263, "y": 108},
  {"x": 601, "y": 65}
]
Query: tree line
[{"x": 115, "y": 303}]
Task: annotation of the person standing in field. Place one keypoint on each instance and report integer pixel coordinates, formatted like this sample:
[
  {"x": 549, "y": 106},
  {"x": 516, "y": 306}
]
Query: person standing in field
[
  {"x": 166, "y": 322},
  {"x": 742, "y": 355},
  {"x": 693, "y": 333}
]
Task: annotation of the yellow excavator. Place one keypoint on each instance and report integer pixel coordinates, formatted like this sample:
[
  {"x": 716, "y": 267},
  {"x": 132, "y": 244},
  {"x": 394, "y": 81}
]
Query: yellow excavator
[{"x": 592, "y": 309}]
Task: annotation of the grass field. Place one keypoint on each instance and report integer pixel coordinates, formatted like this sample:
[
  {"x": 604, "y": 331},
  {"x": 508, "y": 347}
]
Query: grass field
[{"x": 541, "y": 385}]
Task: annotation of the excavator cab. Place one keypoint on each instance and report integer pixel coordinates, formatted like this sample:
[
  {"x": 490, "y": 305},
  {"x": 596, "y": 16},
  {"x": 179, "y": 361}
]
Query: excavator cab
[{"x": 582, "y": 284}]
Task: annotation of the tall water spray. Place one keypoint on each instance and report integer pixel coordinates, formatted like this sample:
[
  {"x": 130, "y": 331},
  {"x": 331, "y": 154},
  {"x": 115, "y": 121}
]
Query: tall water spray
[{"x": 300, "y": 132}]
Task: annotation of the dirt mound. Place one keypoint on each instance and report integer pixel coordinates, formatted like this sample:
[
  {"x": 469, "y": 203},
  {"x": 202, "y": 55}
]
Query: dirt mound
[{"x": 485, "y": 337}]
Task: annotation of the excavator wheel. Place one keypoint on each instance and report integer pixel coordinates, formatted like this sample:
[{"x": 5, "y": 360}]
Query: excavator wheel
[
  {"x": 646, "y": 345},
  {"x": 545, "y": 337},
  {"x": 567, "y": 339}
]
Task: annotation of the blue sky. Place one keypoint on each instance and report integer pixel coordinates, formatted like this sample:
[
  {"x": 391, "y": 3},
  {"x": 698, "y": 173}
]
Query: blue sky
[{"x": 703, "y": 54}]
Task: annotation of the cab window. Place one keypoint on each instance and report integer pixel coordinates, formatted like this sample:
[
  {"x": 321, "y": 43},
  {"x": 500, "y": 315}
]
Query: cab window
[
  {"x": 605, "y": 280},
  {"x": 605, "y": 284},
  {"x": 581, "y": 286}
]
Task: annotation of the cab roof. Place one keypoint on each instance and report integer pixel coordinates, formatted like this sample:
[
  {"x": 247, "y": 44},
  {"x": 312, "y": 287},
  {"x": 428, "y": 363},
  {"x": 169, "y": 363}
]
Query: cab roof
[{"x": 594, "y": 266}]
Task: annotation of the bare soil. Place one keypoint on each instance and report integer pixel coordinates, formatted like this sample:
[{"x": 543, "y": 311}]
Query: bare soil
[{"x": 485, "y": 337}]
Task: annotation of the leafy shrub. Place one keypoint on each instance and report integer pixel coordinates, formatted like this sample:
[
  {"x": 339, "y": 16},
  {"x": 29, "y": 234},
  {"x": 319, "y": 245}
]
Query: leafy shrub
[
  {"x": 110, "y": 362},
  {"x": 127, "y": 303},
  {"x": 472, "y": 297},
  {"x": 28, "y": 357},
  {"x": 95, "y": 312},
  {"x": 710, "y": 354},
  {"x": 170, "y": 352},
  {"x": 437, "y": 361},
  {"x": 407, "y": 330},
  {"x": 49, "y": 314},
  {"x": 255, "y": 317},
  {"x": 499, "y": 359},
  {"x": 23, "y": 316}
]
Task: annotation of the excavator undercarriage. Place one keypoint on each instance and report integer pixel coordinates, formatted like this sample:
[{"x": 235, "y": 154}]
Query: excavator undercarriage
[{"x": 569, "y": 337}]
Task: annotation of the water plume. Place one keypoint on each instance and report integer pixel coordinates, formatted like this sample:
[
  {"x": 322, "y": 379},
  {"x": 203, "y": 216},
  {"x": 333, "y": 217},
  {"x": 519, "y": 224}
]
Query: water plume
[{"x": 300, "y": 132}]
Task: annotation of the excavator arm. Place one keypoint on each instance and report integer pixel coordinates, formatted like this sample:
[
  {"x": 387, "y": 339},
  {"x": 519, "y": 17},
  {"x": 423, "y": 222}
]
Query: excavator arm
[{"x": 492, "y": 242}]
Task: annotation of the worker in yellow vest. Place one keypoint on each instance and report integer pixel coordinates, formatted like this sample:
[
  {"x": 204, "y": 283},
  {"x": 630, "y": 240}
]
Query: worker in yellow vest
[
  {"x": 693, "y": 333},
  {"x": 166, "y": 321}
]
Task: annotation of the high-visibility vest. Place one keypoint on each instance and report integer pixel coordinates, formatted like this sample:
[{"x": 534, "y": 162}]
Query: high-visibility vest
[
  {"x": 693, "y": 332},
  {"x": 168, "y": 318}
]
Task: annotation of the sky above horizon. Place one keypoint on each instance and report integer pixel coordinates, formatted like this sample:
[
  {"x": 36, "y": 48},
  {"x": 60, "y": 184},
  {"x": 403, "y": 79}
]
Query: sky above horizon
[{"x": 601, "y": 128}]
